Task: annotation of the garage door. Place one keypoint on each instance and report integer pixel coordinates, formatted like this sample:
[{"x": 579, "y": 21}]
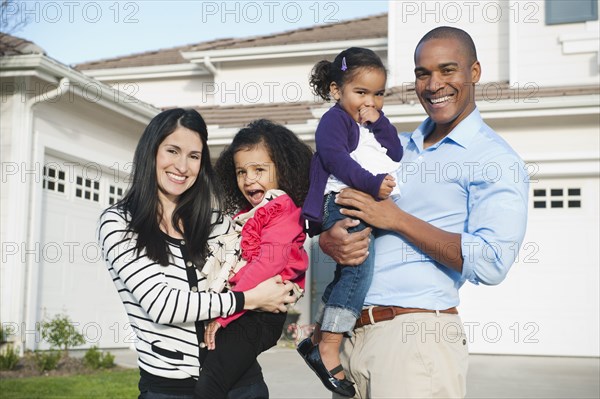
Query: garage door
[
  {"x": 73, "y": 279},
  {"x": 549, "y": 303}
]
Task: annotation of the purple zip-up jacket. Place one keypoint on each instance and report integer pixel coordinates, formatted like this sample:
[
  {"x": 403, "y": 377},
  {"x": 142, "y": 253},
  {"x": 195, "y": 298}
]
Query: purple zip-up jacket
[{"x": 336, "y": 137}]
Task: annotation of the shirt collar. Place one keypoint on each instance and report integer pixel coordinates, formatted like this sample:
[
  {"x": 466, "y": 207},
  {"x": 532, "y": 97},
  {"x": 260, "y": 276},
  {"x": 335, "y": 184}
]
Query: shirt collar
[{"x": 462, "y": 134}]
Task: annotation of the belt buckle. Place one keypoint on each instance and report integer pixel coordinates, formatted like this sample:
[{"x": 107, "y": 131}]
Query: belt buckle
[{"x": 370, "y": 313}]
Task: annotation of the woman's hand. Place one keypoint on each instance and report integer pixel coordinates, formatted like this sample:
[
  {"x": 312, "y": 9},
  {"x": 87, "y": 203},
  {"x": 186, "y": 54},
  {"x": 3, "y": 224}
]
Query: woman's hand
[
  {"x": 270, "y": 296},
  {"x": 345, "y": 248},
  {"x": 209, "y": 334}
]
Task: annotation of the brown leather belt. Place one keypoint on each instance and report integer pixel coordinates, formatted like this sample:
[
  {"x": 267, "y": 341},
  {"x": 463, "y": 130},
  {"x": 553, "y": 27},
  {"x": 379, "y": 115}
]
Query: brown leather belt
[{"x": 375, "y": 314}]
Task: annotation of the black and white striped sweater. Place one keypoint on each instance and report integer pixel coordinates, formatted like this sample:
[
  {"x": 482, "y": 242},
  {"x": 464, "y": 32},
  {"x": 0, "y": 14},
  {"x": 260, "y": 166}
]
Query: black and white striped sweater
[{"x": 163, "y": 303}]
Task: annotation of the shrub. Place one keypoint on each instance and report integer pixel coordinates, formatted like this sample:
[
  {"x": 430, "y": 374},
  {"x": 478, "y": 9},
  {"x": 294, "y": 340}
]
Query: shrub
[
  {"x": 95, "y": 359},
  {"x": 8, "y": 358},
  {"x": 45, "y": 361},
  {"x": 3, "y": 335},
  {"x": 61, "y": 333}
]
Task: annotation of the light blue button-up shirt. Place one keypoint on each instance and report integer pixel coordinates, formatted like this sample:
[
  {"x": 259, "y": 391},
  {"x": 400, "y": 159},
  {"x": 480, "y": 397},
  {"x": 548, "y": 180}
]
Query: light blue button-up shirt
[{"x": 471, "y": 182}]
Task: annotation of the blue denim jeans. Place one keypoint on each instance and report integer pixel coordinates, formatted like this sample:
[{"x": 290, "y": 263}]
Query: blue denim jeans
[{"x": 344, "y": 297}]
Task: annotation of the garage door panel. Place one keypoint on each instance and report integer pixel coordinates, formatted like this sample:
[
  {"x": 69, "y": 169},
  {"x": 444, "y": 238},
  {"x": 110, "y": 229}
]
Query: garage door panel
[
  {"x": 554, "y": 285},
  {"x": 77, "y": 283}
]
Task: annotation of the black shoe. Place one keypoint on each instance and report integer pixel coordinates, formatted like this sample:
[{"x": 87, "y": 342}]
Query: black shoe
[
  {"x": 304, "y": 347},
  {"x": 341, "y": 387}
]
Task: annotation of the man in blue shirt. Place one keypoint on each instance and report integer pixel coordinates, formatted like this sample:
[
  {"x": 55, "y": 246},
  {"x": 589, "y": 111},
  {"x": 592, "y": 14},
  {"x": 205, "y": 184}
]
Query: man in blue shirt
[{"x": 461, "y": 216}]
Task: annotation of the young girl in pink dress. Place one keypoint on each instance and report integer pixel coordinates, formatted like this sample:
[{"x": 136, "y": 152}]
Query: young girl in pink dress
[{"x": 264, "y": 173}]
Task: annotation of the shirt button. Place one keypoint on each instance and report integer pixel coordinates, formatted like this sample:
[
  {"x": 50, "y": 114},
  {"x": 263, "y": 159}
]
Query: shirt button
[
  {"x": 194, "y": 289},
  {"x": 189, "y": 264},
  {"x": 182, "y": 242}
]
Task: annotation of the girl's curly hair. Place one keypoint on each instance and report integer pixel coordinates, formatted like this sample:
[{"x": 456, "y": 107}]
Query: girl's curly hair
[{"x": 290, "y": 155}]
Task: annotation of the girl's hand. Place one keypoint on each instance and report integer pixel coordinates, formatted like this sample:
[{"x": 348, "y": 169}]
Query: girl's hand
[
  {"x": 387, "y": 185},
  {"x": 368, "y": 115},
  {"x": 209, "y": 334},
  {"x": 270, "y": 296}
]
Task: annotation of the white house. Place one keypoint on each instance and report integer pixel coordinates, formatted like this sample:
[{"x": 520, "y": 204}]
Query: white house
[
  {"x": 67, "y": 142},
  {"x": 539, "y": 90}
]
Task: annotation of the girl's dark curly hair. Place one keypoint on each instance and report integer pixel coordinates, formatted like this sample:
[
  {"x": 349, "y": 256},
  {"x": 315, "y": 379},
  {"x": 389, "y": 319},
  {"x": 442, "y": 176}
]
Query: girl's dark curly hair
[
  {"x": 342, "y": 69},
  {"x": 289, "y": 154}
]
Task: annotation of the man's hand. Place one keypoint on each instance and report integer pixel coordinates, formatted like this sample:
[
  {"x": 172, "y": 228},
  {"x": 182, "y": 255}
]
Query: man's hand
[
  {"x": 345, "y": 248},
  {"x": 209, "y": 334},
  {"x": 382, "y": 214},
  {"x": 387, "y": 185}
]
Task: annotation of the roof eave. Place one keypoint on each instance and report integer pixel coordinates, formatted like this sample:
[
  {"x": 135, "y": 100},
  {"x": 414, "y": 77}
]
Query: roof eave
[
  {"x": 52, "y": 71},
  {"x": 148, "y": 72},
  {"x": 554, "y": 106},
  {"x": 283, "y": 51}
]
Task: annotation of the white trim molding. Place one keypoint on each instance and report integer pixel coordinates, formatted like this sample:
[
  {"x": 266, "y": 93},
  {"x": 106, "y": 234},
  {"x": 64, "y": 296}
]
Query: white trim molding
[
  {"x": 587, "y": 41},
  {"x": 283, "y": 51},
  {"x": 148, "y": 72}
]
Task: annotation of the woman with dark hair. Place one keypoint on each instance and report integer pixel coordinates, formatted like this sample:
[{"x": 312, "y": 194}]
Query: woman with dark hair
[{"x": 155, "y": 242}]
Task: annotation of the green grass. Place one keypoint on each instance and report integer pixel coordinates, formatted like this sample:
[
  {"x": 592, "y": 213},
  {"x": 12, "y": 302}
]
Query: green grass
[{"x": 104, "y": 384}]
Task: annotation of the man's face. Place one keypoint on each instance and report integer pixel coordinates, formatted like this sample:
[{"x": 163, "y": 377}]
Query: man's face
[{"x": 444, "y": 78}]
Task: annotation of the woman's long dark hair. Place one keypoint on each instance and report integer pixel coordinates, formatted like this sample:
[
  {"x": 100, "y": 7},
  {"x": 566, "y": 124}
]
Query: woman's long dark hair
[
  {"x": 195, "y": 207},
  {"x": 290, "y": 155}
]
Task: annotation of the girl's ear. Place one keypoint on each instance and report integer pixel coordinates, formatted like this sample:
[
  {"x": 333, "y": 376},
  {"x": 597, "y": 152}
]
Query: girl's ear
[{"x": 334, "y": 89}]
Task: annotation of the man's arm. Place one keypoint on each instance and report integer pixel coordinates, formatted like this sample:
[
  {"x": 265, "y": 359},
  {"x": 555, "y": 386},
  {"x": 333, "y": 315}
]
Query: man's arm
[
  {"x": 442, "y": 246},
  {"x": 495, "y": 227}
]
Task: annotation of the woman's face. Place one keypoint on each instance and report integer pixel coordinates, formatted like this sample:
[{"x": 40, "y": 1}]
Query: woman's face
[{"x": 178, "y": 163}]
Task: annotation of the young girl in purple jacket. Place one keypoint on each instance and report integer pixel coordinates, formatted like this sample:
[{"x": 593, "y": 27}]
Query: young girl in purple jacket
[{"x": 357, "y": 147}]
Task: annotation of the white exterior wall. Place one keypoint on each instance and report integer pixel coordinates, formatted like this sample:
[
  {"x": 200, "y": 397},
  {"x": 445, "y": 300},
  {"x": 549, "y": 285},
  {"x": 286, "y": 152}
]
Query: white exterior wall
[
  {"x": 264, "y": 81},
  {"x": 540, "y": 57},
  {"x": 6, "y": 123},
  {"x": 5, "y": 159},
  {"x": 268, "y": 80},
  {"x": 486, "y": 21},
  {"x": 236, "y": 83},
  {"x": 167, "y": 92},
  {"x": 513, "y": 42},
  {"x": 14, "y": 198}
]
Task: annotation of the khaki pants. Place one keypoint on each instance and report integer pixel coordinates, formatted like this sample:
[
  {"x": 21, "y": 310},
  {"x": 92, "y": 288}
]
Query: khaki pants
[{"x": 416, "y": 355}]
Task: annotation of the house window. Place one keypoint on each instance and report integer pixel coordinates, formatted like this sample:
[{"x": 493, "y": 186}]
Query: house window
[
  {"x": 87, "y": 189},
  {"x": 557, "y": 198},
  {"x": 54, "y": 179},
  {"x": 115, "y": 193},
  {"x": 569, "y": 11}
]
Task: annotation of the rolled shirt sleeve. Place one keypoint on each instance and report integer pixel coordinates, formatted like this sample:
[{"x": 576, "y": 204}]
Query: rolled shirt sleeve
[{"x": 497, "y": 219}]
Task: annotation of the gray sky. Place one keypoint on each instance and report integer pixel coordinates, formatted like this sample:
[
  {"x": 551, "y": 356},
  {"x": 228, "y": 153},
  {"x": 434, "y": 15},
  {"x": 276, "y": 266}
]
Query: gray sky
[{"x": 78, "y": 31}]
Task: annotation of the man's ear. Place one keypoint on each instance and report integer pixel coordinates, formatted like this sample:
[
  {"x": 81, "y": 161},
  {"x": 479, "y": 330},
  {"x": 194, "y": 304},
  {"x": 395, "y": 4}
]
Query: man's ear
[
  {"x": 334, "y": 89},
  {"x": 475, "y": 72}
]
